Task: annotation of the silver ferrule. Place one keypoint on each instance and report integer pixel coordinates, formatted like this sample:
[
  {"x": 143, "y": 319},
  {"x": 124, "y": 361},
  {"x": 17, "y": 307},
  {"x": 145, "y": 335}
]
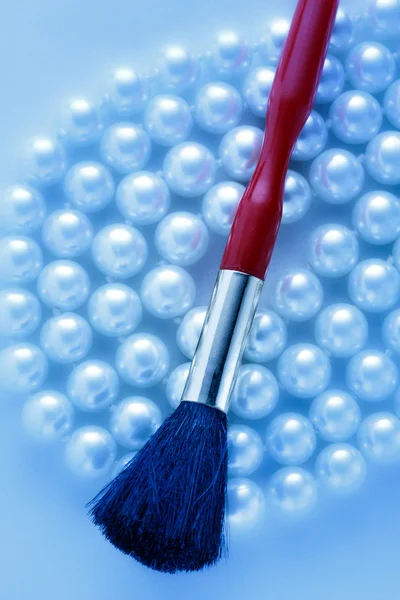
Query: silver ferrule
[{"x": 220, "y": 349}]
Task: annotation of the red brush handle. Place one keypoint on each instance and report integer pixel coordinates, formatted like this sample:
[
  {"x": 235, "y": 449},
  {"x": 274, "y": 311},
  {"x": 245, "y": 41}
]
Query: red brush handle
[{"x": 254, "y": 230}]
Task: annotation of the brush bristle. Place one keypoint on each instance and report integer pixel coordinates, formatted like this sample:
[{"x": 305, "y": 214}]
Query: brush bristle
[{"x": 167, "y": 507}]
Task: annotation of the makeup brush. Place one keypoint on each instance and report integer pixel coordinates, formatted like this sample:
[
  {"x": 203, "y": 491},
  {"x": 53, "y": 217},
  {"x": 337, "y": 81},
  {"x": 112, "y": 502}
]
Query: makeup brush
[{"x": 167, "y": 507}]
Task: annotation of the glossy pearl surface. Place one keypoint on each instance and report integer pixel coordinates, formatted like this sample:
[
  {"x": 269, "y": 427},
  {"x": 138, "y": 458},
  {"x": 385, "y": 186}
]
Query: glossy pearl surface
[
  {"x": 134, "y": 421},
  {"x": 189, "y": 330},
  {"x": 297, "y": 198},
  {"x": 371, "y": 67},
  {"x": 267, "y": 338},
  {"x": 256, "y": 89},
  {"x": 290, "y": 439},
  {"x": 90, "y": 452},
  {"x": 272, "y": 46},
  {"x": 220, "y": 204},
  {"x": 337, "y": 176},
  {"x": 255, "y": 394},
  {"x": 245, "y": 450},
  {"x": 176, "y": 384},
  {"x": 384, "y": 17},
  {"x": 115, "y": 310},
  {"x": 383, "y": 158},
  {"x": 22, "y": 209},
  {"x": 332, "y": 80},
  {"x": 125, "y": 147},
  {"x": 119, "y": 251},
  {"x": 292, "y": 492},
  {"x": 335, "y": 415},
  {"x": 356, "y": 117},
  {"x": 143, "y": 198},
  {"x": 23, "y": 368},
  {"x": 218, "y": 107},
  {"x": 245, "y": 503},
  {"x": 81, "y": 123},
  {"x": 304, "y": 370},
  {"x": 168, "y": 292},
  {"x": 239, "y": 151},
  {"x": 66, "y": 338},
  {"x": 298, "y": 295},
  {"x": 142, "y": 360},
  {"x": 180, "y": 70},
  {"x": 122, "y": 463},
  {"x": 372, "y": 376},
  {"x": 391, "y": 331},
  {"x": 44, "y": 162},
  {"x": 343, "y": 32},
  {"x": 231, "y": 55},
  {"x": 333, "y": 250},
  {"x": 20, "y": 313},
  {"x": 126, "y": 92},
  {"x": 379, "y": 438},
  {"x": 47, "y": 416},
  {"x": 341, "y": 330},
  {"x": 67, "y": 233},
  {"x": 376, "y": 216},
  {"x": 312, "y": 139},
  {"x": 340, "y": 468},
  {"x": 182, "y": 238},
  {"x": 93, "y": 385},
  {"x": 63, "y": 284},
  {"x": 374, "y": 285},
  {"x": 391, "y": 103},
  {"x": 89, "y": 186},
  {"x": 21, "y": 259},
  {"x": 189, "y": 169},
  {"x": 168, "y": 120}
]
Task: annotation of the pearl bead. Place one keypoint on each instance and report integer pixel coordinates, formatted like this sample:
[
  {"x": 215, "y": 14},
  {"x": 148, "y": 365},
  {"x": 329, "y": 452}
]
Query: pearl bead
[
  {"x": 340, "y": 468},
  {"x": 182, "y": 238},
  {"x": 188, "y": 334},
  {"x": 23, "y": 368},
  {"x": 122, "y": 463},
  {"x": 332, "y": 80},
  {"x": 218, "y": 107},
  {"x": 312, "y": 139},
  {"x": 22, "y": 210},
  {"x": 143, "y": 198},
  {"x": 335, "y": 415},
  {"x": 383, "y": 158},
  {"x": 231, "y": 55},
  {"x": 392, "y": 104},
  {"x": 89, "y": 186},
  {"x": 341, "y": 330},
  {"x": 90, "y": 452},
  {"x": 168, "y": 292},
  {"x": 396, "y": 254},
  {"x": 66, "y": 338},
  {"x": 67, "y": 233},
  {"x": 47, "y": 416},
  {"x": 372, "y": 376},
  {"x": 239, "y": 151},
  {"x": 93, "y": 385},
  {"x": 370, "y": 67},
  {"x": 245, "y": 450},
  {"x": 376, "y": 216},
  {"x": 134, "y": 421},
  {"x": 220, "y": 204},
  {"x": 333, "y": 250},
  {"x": 267, "y": 338},
  {"x": 297, "y": 198},
  {"x": 142, "y": 360},
  {"x": 255, "y": 394},
  {"x": 176, "y": 384},
  {"x": 374, "y": 285},
  {"x": 343, "y": 32},
  {"x": 115, "y": 310},
  {"x": 337, "y": 176},
  {"x": 189, "y": 169},
  {"x": 272, "y": 46},
  {"x": 125, "y": 147},
  {"x": 356, "y": 117},
  {"x": 290, "y": 439},
  {"x": 292, "y": 492},
  {"x": 384, "y": 17},
  {"x": 21, "y": 259},
  {"x": 168, "y": 120},
  {"x": 304, "y": 370},
  {"x": 298, "y": 295},
  {"x": 20, "y": 313},
  {"x": 179, "y": 70},
  {"x": 245, "y": 503},
  {"x": 119, "y": 251},
  {"x": 256, "y": 89},
  {"x": 63, "y": 284},
  {"x": 127, "y": 92},
  {"x": 391, "y": 331},
  {"x": 44, "y": 162},
  {"x": 82, "y": 124},
  {"x": 379, "y": 438}
]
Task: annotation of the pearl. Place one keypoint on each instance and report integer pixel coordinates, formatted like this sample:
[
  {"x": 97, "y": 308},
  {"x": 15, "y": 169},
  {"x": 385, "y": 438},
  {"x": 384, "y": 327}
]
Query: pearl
[
  {"x": 22, "y": 210},
  {"x": 168, "y": 120},
  {"x": 292, "y": 492},
  {"x": 66, "y": 338},
  {"x": 90, "y": 452},
  {"x": 256, "y": 89},
  {"x": 384, "y": 17},
  {"x": 231, "y": 55},
  {"x": 337, "y": 176},
  {"x": 67, "y": 233},
  {"x": 20, "y": 313},
  {"x": 383, "y": 158},
  {"x": 220, "y": 204},
  {"x": 272, "y": 46},
  {"x": 374, "y": 285},
  {"x": 341, "y": 330},
  {"x": 343, "y": 32},
  {"x": 372, "y": 376},
  {"x": 356, "y": 117},
  {"x": 332, "y": 80},
  {"x": 376, "y": 216},
  {"x": 134, "y": 421},
  {"x": 245, "y": 450},
  {"x": 168, "y": 292},
  {"x": 23, "y": 368},
  {"x": 298, "y": 295},
  {"x": 119, "y": 251},
  {"x": 125, "y": 147},
  {"x": 304, "y": 370},
  {"x": 142, "y": 360},
  {"x": 143, "y": 198},
  {"x": 82, "y": 124},
  {"x": 297, "y": 198},
  {"x": 47, "y": 416},
  {"x": 245, "y": 503},
  {"x": 93, "y": 385},
  {"x": 391, "y": 331},
  {"x": 333, "y": 250},
  {"x": 176, "y": 384},
  {"x": 370, "y": 67},
  {"x": 267, "y": 338},
  {"x": 21, "y": 259},
  {"x": 44, "y": 162},
  {"x": 89, "y": 186},
  {"x": 218, "y": 107},
  {"x": 256, "y": 392},
  {"x": 181, "y": 238},
  {"x": 179, "y": 69},
  {"x": 290, "y": 439},
  {"x": 396, "y": 254},
  {"x": 63, "y": 284},
  {"x": 312, "y": 139},
  {"x": 391, "y": 104},
  {"x": 188, "y": 334},
  {"x": 239, "y": 151},
  {"x": 335, "y": 415},
  {"x": 340, "y": 468},
  {"x": 379, "y": 438},
  {"x": 127, "y": 92},
  {"x": 189, "y": 169},
  {"x": 115, "y": 310},
  {"x": 122, "y": 463}
]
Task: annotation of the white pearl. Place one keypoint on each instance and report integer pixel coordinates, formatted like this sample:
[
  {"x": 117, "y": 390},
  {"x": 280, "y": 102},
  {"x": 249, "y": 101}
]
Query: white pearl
[
  {"x": 81, "y": 123},
  {"x": 125, "y": 147},
  {"x": 298, "y": 295},
  {"x": 115, "y": 310},
  {"x": 23, "y": 368},
  {"x": 122, "y": 463},
  {"x": 220, "y": 204},
  {"x": 379, "y": 438},
  {"x": 370, "y": 67},
  {"x": 332, "y": 80},
  {"x": 67, "y": 233},
  {"x": 22, "y": 209},
  {"x": 343, "y": 32},
  {"x": 356, "y": 117},
  {"x": 188, "y": 334},
  {"x": 374, "y": 285},
  {"x": 44, "y": 162},
  {"x": 143, "y": 198},
  {"x": 218, "y": 107},
  {"x": 340, "y": 468},
  {"x": 267, "y": 338},
  {"x": 20, "y": 313},
  {"x": 168, "y": 120},
  {"x": 119, "y": 251},
  {"x": 297, "y": 198},
  {"x": 179, "y": 70},
  {"x": 89, "y": 186},
  {"x": 134, "y": 421},
  {"x": 90, "y": 452},
  {"x": 341, "y": 330},
  {"x": 142, "y": 360},
  {"x": 290, "y": 439},
  {"x": 333, "y": 250},
  {"x": 189, "y": 169},
  {"x": 47, "y": 416},
  {"x": 256, "y": 89},
  {"x": 21, "y": 259},
  {"x": 391, "y": 331},
  {"x": 376, "y": 216},
  {"x": 372, "y": 376},
  {"x": 239, "y": 151},
  {"x": 245, "y": 450},
  {"x": 127, "y": 92},
  {"x": 383, "y": 158},
  {"x": 255, "y": 394},
  {"x": 231, "y": 54},
  {"x": 335, "y": 415},
  {"x": 66, "y": 338},
  {"x": 93, "y": 385},
  {"x": 304, "y": 370},
  {"x": 63, "y": 284},
  {"x": 181, "y": 238},
  {"x": 392, "y": 104},
  {"x": 272, "y": 46},
  {"x": 168, "y": 292},
  {"x": 337, "y": 176},
  {"x": 176, "y": 384},
  {"x": 384, "y": 17},
  {"x": 245, "y": 504},
  {"x": 292, "y": 492},
  {"x": 312, "y": 139}
]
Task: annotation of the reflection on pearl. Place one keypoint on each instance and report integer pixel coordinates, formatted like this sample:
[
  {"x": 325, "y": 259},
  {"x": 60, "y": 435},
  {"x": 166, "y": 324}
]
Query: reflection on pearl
[
  {"x": 245, "y": 450},
  {"x": 189, "y": 169},
  {"x": 89, "y": 186},
  {"x": 267, "y": 338},
  {"x": 90, "y": 452},
  {"x": 81, "y": 124},
  {"x": 63, "y": 284},
  {"x": 134, "y": 421},
  {"x": 168, "y": 292},
  {"x": 341, "y": 330},
  {"x": 67, "y": 233},
  {"x": 356, "y": 117},
  {"x": 391, "y": 331},
  {"x": 245, "y": 502},
  {"x": 142, "y": 360},
  {"x": 370, "y": 67},
  {"x": 298, "y": 295},
  {"x": 290, "y": 439},
  {"x": 143, "y": 198},
  {"x": 22, "y": 209},
  {"x": 372, "y": 376},
  {"x": 66, "y": 338},
  {"x": 125, "y": 147},
  {"x": 292, "y": 492},
  {"x": 383, "y": 158},
  {"x": 189, "y": 330},
  {"x": 335, "y": 415},
  {"x": 374, "y": 285},
  {"x": 312, "y": 139},
  {"x": 333, "y": 250},
  {"x": 332, "y": 80},
  {"x": 392, "y": 103},
  {"x": 93, "y": 385},
  {"x": 379, "y": 438},
  {"x": 47, "y": 416},
  {"x": 218, "y": 107},
  {"x": 272, "y": 46},
  {"x": 340, "y": 468},
  {"x": 20, "y": 313},
  {"x": 179, "y": 70},
  {"x": 44, "y": 162},
  {"x": 176, "y": 384},
  {"x": 168, "y": 120},
  {"x": 21, "y": 259},
  {"x": 127, "y": 92},
  {"x": 376, "y": 216},
  {"x": 220, "y": 204},
  {"x": 384, "y": 17},
  {"x": 181, "y": 238},
  {"x": 239, "y": 151},
  {"x": 256, "y": 392},
  {"x": 297, "y": 198},
  {"x": 115, "y": 310},
  {"x": 122, "y": 463},
  {"x": 343, "y": 32},
  {"x": 119, "y": 251},
  {"x": 256, "y": 89},
  {"x": 231, "y": 55},
  {"x": 337, "y": 176},
  {"x": 23, "y": 368},
  {"x": 304, "y": 370}
]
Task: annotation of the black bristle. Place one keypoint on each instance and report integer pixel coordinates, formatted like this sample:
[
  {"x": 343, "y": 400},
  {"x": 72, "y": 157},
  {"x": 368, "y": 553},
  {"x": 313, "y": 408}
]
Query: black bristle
[{"x": 167, "y": 507}]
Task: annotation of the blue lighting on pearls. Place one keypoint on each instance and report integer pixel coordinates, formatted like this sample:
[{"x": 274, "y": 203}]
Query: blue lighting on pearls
[
  {"x": 218, "y": 107},
  {"x": 256, "y": 392},
  {"x": 246, "y": 503},
  {"x": 20, "y": 313},
  {"x": 189, "y": 169},
  {"x": 376, "y": 216},
  {"x": 313, "y": 138},
  {"x": 188, "y": 334},
  {"x": 379, "y": 438},
  {"x": 332, "y": 80},
  {"x": 272, "y": 45},
  {"x": 256, "y": 89},
  {"x": 230, "y": 55},
  {"x": 340, "y": 468},
  {"x": 220, "y": 204},
  {"x": 23, "y": 368},
  {"x": 22, "y": 210},
  {"x": 82, "y": 123},
  {"x": 93, "y": 385},
  {"x": 335, "y": 415},
  {"x": 383, "y": 158},
  {"x": 297, "y": 198},
  {"x": 391, "y": 331},
  {"x": 63, "y": 284},
  {"x": 168, "y": 120},
  {"x": 125, "y": 147},
  {"x": 89, "y": 186},
  {"x": 21, "y": 259},
  {"x": 179, "y": 70},
  {"x": 337, "y": 176},
  {"x": 134, "y": 420},
  {"x": 267, "y": 338},
  {"x": 374, "y": 285},
  {"x": 239, "y": 151},
  {"x": 168, "y": 292},
  {"x": 356, "y": 117},
  {"x": 304, "y": 370},
  {"x": 90, "y": 452},
  {"x": 182, "y": 238},
  {"x": 66, "y": 338},
  {"x": 143, "y": 198},
  {"x": 341, "y": 330},
  {"x": 176, "y": 384},
  {"x": 370, "y": 67},
  {"x": 245, "y": 450},
  {"x": 392, "y": 103},
  {"x": 142, "y": 360},
  {"x": 127, "y": 92},
  {"x": 115, "y": 310},
  {"x": 119, "y": 251},
  {"x": 47, "y": 416},
  {"x": 372, "y": 376},
  {"x": 384, "y": 17},
  {"x": 290, "y": 439},
  {"x": 44, "y": 163},
  {"x": 333, "y": 250},
  {"x": 292, "y": 492},
  {"x": 343, "y": 32},
  {"x": 298, "y": 295},
  {"x": 67, "y": 233}
]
